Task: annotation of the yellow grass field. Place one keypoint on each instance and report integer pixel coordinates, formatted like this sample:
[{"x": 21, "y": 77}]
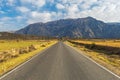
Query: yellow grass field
[
  {"x": 112, "y": 62},
  {"x": 10, "y": 44},
  {"x": 112, "y": 43},
  {"x": 11, "y": 62}
]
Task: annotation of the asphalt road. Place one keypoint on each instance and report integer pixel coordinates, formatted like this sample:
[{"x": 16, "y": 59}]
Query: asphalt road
[{"x": 59, "y": 62}]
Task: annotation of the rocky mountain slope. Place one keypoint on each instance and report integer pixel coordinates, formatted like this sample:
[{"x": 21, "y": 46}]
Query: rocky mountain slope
[{"x": 75, "y": 28}]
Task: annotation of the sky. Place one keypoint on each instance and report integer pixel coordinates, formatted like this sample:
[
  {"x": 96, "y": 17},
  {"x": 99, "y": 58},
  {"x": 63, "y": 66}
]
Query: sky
[{"x": 16, "y": 14}]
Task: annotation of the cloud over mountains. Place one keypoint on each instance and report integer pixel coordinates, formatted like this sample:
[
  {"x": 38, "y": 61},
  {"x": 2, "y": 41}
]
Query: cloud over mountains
[{"x": 18, "y": 13}]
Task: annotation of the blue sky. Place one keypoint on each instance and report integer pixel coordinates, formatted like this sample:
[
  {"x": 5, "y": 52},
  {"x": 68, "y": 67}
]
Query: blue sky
[{"x": 16, "y": 14}]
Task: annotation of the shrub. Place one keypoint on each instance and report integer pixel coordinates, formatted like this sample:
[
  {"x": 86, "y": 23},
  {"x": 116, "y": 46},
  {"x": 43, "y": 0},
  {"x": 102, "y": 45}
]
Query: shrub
[
  {"x": 2, "y": 58},
  {"x": 32, "y": 48},
  {"x": 90, "y": 46},
  {"x": 43, "y": 45},
  {"x": 23, "y": 50}
]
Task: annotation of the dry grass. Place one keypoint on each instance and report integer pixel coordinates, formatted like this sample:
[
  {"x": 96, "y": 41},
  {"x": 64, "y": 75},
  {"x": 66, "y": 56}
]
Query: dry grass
[
  {"x": 10, "y": 44},
  {"x": 112, "y": 43},
  {"x": 112, "y": 62},
  {"x": 10, "y": 63}
]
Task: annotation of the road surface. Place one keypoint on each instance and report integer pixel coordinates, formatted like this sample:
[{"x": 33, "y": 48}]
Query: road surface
[{"x": 59, "y": 62}]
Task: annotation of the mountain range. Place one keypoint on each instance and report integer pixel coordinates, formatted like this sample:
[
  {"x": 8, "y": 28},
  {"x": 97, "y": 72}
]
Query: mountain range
[{"x": 88, "y": 27}]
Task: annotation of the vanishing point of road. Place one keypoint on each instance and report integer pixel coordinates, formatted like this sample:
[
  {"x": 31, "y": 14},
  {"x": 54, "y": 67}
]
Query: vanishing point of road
[{"x": 59, "y": 62}]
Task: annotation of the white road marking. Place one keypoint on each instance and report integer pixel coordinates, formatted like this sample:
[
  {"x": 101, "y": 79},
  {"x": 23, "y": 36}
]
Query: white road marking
[
  {"x": 94, "y": 62},
  {"x": 24, "y": 63},
  {"x": 48, "y": 48}
]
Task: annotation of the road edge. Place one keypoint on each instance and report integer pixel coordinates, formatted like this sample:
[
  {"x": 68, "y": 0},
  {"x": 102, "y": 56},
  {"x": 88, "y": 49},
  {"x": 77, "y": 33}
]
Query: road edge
[
  {"x": 79, "y": 51},
  {"x": 39, "y": 53}
]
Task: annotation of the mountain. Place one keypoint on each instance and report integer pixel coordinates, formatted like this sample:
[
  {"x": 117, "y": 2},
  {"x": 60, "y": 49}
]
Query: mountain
[
  {"x": 74, "y": 28},
  {"x": 114, "y": 23}
]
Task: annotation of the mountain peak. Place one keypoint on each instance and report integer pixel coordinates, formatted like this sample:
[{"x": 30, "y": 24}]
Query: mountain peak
[
  {"x": 88, "y": 27},
  {"x": 90, "y": 18}
]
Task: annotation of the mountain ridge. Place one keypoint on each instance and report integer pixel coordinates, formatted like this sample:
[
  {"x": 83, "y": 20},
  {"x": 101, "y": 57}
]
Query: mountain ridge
[{"x": 74, "y": 28}]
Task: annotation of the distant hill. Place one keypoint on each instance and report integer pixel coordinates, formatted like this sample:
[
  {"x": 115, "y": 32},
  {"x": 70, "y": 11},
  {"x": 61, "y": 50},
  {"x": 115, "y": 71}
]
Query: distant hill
[
  {"x": 114, "y": 23},
  {"x": 75, "y": 28},
  {"x": 9, "y": 36}
]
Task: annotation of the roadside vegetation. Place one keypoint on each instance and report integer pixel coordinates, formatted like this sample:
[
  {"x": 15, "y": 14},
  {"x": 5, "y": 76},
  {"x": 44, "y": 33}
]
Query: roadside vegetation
[
  {"x": 105, "y": 52},
  {"x": 15, "y": 52}
]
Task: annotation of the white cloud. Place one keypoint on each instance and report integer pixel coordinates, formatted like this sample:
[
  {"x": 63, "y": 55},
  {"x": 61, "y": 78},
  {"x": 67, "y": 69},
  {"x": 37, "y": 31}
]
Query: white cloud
[
  {"x": 32, "y": 11},
  {"x": 23, "y": 9},
  {"x": 10, "y": 24},
  {"x": 5, "y": 19},
  {"x": 2, "y": 12},
  {"x": 60, "y": 6},
  {"x": 105, "y": 10},
  {"x": 51, "y": 1},
  {"x": 11, "y": 2},
  {"x": 38, "y": 3},
  {"x": 39, "y": 17},
  {"x": 72, "y": 10}
]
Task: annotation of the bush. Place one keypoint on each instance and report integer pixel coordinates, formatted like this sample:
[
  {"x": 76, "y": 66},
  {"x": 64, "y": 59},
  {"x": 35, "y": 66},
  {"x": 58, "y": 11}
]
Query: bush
[
  {"x": 90, "y": 46},
  {"x": 23, "y": 50},
  {"x": 32, "y": 48},
  {"x": 14, "y": 52},
  {"x": 2, "y": 58},
  {"x": 43, "y": 45}
]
